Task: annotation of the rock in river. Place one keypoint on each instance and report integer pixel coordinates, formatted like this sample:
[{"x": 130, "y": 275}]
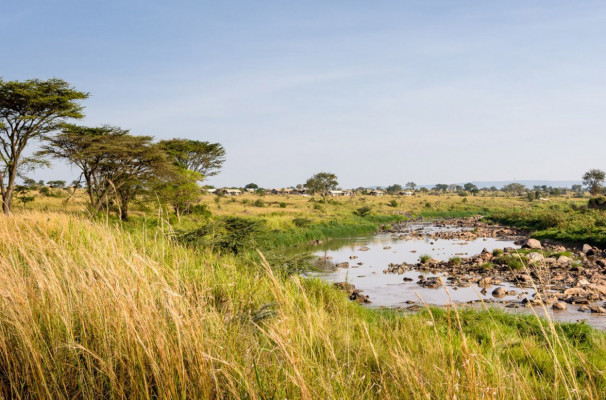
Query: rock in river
[{"x": 532, "y": 244}]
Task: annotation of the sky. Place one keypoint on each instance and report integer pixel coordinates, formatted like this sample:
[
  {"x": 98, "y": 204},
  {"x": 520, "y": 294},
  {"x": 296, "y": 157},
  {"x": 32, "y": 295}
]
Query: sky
[{"x": 377, "y": 92}]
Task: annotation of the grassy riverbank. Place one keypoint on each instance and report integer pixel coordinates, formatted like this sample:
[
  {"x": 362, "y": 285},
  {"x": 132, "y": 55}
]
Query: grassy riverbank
[
  {"x": 288, "y": 220},
  {"x": 90, "y": 310}
]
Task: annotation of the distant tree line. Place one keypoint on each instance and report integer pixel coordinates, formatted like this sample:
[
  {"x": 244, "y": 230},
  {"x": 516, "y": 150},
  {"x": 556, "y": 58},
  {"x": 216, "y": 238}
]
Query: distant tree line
[{"x": 115, "y": 166}]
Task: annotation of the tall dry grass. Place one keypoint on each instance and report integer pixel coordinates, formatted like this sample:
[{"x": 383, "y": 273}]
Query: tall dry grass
[{"x": 89, "y": 311}]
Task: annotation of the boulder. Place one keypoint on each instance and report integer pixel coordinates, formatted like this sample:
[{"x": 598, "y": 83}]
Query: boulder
[
  {"x": 601, "y": 289},
  {"x": 563, "y": 260},
  {"x": 343, "y": 265},
  {"x": 577, "y": 291},
  {"x": 357, "y": 296},
  {"x": 588, "y": 250},
  {"x": 345, "y": 286},
  {"x": 535, "y": 257},
  {"x": 499, "y": 292},
  {"x": 532, "y": 244},
  {"x": 486, "y": 255},
  {"x": 485, "y": 282},
  {"x": 560, "y": 306},
  {"x": 582, "y": 282}
]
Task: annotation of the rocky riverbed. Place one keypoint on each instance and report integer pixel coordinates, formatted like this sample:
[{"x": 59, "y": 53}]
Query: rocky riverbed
[{"x": 475, "y": 263}]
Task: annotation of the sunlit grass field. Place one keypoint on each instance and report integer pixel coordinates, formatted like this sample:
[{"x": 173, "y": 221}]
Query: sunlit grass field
[{"x": 91, "y": 310}]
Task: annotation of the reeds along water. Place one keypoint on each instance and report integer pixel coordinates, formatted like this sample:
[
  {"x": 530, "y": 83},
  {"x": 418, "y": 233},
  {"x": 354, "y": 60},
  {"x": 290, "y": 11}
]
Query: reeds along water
[{"x": 89, "y": 311}]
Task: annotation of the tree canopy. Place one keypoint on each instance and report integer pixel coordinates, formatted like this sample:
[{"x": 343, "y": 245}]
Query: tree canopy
[
  {"x": 321, "y": 183},
  {"x": 28, "y": 110},
  {"x": 394, "y": 189},
  {"x": 115, "y": 164},
  {"x": 204, "y": 158},
  {"x": 593, "y": 180}
]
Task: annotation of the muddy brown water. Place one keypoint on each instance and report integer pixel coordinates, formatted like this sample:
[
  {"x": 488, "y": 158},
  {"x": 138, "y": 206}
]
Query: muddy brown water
[{"x": 390, "y": 290}]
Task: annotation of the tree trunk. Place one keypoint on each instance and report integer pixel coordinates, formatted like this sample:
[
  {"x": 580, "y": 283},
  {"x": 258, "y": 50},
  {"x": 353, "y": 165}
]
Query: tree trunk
[
  {"x": 7, "y": 193},
  {"x": 6, "y": 203},
  {"x": 124, "y": 211}
]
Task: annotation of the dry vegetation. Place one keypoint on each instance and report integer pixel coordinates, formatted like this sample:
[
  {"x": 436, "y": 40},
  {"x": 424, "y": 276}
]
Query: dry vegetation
[{"x": 89, "y": 310}]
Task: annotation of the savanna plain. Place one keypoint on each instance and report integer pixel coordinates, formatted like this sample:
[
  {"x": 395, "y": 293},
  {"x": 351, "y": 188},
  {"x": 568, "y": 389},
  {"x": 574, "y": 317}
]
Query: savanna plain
[{"x": 214, "y": 303}]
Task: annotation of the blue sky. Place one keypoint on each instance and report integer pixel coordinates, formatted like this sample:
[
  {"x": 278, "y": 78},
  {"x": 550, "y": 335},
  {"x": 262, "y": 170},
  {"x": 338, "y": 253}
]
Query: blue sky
[{"x": 378, "y": 92}]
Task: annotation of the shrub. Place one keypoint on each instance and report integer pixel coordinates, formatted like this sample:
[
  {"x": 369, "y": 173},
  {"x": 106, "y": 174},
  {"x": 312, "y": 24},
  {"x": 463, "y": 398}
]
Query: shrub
[
  {"x": 200, "y": 209},
  {"x": 282, "y": 205},
  {"x": 454, "y": 261},
  {"x": 392, "y": 203},
  {"x": 259, "y": 203},
  {"x": 301, "y": 222},
  {"x": 497, "y": 252},
  {"x": 597, "y": 203},
  {"x": 363, "y": 211},
  {"x": 424, "y": 259}
]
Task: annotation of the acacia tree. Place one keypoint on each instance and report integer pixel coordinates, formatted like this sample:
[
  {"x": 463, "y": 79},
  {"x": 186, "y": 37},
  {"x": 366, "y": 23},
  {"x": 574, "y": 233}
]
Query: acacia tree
[
  {"x": 411, "y": 185},
  {"x": 116, "y": 165},
  {"x": 28, "y": 110},
  {"x": 321, "y": 183},
  {"x": 88, "y": 148},
  {"x": 204, "y": 158},
  {"x": 394, "y": 189},
  {"x": 470, "y": 187},
  {"x": 516, "y": 189},
  {"x": 593, "y": 180},
  {"x": 134, "y": 169}
]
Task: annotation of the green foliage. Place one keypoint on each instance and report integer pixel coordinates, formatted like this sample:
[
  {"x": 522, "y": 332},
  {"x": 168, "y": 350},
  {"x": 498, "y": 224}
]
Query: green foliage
[
  {"x": 200, "y": 210},
  {"x": 230, "y": 234},
  {"x": 424, "y": 259},
  {"x": 392, "y": 203},
  {"x": 454, "y": 261},
  {"x": 321, "y": 183},
  {"x": 301, "y": 222},
  {"x": 203, "y": 158},
  {"x": 29, "y": 110},
  {"x": 23, "y": 194},
  {"x": 58, "y": 184},
  {"x": 487, "y": 266},
  {"x": 363, "y": 211},
  {"x": 394, "y": 189},
  {"x": 259, "y": 203},
  {"x": 598, "y": 203},
  {"x": 282, "y": 204},
  {"x": 593, "y": 180},
  {"x": 511, "y": 261}
]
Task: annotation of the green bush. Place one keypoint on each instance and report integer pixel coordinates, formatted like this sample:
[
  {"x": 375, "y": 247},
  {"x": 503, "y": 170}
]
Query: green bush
[
  {"x": 454, "y": 261},
  {"x": 301, "y": 222},
  {"x": 259, "y": 203},
  {"x": 363, "y": 211},
  {"x": 200, "y": 209},
  {"x": 424, "y": 259}
]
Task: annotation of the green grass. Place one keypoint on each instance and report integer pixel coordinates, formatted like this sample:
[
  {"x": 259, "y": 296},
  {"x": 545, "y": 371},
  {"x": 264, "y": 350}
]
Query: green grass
[{"x": 90, "y": 310}]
